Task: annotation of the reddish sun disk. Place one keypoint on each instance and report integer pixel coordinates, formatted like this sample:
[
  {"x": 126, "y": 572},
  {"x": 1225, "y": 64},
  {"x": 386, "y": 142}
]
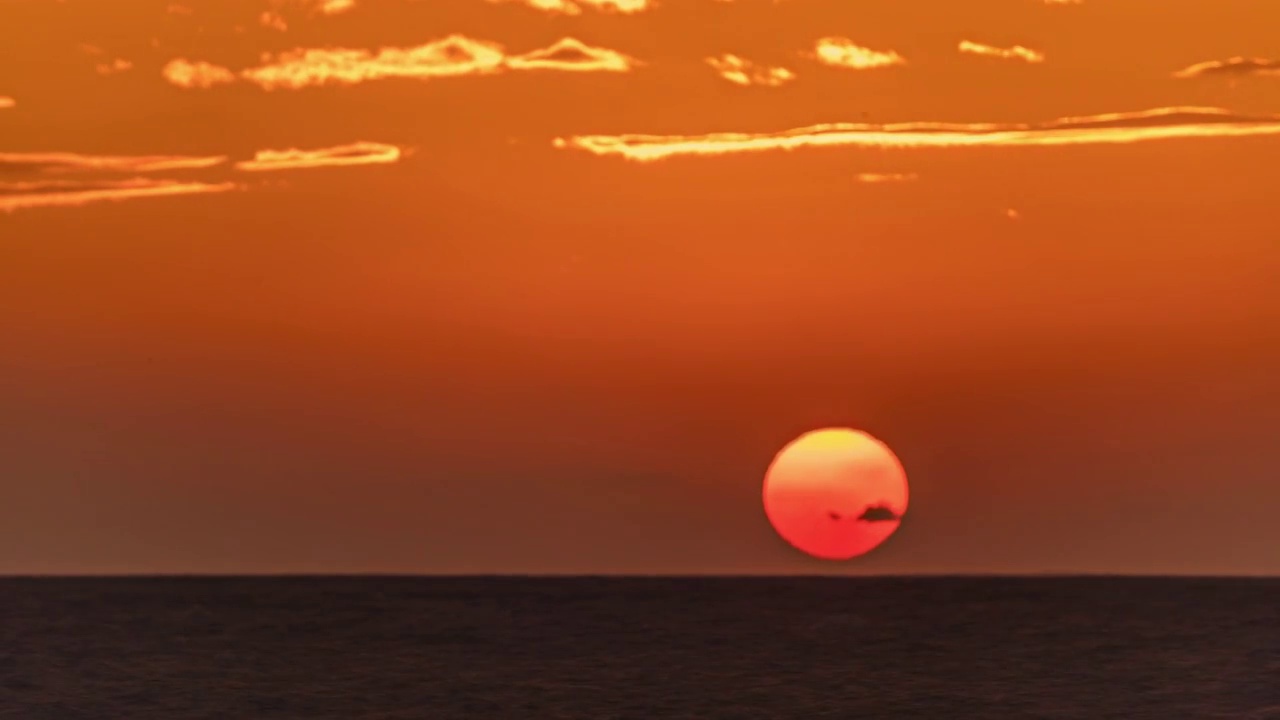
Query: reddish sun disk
[{"x": 835, "y": 493}]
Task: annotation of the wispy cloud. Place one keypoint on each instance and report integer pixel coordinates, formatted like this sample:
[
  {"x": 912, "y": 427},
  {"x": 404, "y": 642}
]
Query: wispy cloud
[
  {"x": 1155, "y": 124},
  {"x": 21, "y": 196},
  {"x": 7, "y": 102},
  {"x": 875, "y": 178},
  {"x": 1232, "y": 67},
  {"x": 843, "y": 52},
  {"x": 62, "y": 162},
  {"x": 333, "y": 7},
  {"x": 1017, "y": 52},
  {"x": 196, "y": 74},
  {"x": 741, "y": 71},
  {"x": 452, "y": 56},
  {"x": 274, "y": 20},
  {"x": 572, "y": 55},
  {"x": 357, "y": 153},
  {"x": 574, "y": 7},
  {"x": 118, "y": 65}
]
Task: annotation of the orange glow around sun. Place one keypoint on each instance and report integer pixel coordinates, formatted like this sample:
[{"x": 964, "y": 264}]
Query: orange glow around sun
[{"x": 835, "y": 493}]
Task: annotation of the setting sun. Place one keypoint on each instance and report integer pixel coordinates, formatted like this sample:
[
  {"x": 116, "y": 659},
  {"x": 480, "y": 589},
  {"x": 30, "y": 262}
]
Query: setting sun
[{"x": 835, "y": 493}]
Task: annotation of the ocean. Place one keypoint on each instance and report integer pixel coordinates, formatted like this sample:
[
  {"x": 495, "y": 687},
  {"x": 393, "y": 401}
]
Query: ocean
[{"x": 392, "y": 648}]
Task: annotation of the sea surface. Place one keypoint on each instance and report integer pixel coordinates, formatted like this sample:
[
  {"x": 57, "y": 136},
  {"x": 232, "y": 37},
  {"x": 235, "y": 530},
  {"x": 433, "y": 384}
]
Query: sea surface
[{"x": 643, "y": 648}]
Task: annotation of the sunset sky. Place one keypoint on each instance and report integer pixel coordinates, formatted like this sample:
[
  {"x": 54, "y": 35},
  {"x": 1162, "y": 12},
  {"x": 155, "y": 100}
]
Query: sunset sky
[{"x": 456, "y": 286}]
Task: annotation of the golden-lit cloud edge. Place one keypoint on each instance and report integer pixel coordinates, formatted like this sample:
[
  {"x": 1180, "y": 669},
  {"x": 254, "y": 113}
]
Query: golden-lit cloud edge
[
  {"x": 22, "y": 196},
  {"x": 357, "y": 153},
  {"x": 1155, "y": 124},
  {"x": 740, "y": 71},
  {"x": 58, "y": 179},
  {"x": 1017, "y": 52},
  {"x": 880, "y": 178},
  {"x": 1232, "y": 67},
  {"x": 333, "y": 7},
  {"x": 843, "y": 52},
  {"x": 575, "y": 7},
  {"x": 61, "y": 162},
  {"x": 7, "y": 102},
  {"x": 451, "y": 56},
  {"x": 190, "y": 74}
]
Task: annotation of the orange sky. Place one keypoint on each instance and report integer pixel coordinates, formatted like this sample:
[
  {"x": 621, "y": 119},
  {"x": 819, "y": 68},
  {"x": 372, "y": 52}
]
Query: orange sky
[{"x": 471, "y": 286}]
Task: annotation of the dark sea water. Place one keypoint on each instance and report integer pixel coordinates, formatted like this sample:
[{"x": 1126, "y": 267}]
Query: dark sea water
[{"x": 490, "y": 649}]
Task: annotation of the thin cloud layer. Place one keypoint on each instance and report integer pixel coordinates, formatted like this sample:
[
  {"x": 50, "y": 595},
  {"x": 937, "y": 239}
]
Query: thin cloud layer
[
  {"x": 118, "y": 65},
  {"x": 574, "y": 7},
  {"x": 7, "y": 102},
  {"x": 1232, "y": 67},
  {"x": 64, "y": 162},
  {"x": 198, "y": 74},
  {"x": 21, "y": 196},
  {"x": 876, "y": 178},
  {"x": 357, "y": 153},
  {"x": 1155, "y": 124},
  {"x": 1017, "y": 52},
  {"x": 334, "y": 7},
  {"x": 843, "y": 52},
  {"x": 274, "y": 20},
  {"x": 452, "y": 56},
  {"x": 740, "y": 71},
  {"x": 572, "y": 55}
]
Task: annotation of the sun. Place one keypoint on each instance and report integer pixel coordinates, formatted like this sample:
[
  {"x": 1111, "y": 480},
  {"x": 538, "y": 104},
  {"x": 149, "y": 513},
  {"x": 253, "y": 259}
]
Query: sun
[{"x": 835, "y": 493}]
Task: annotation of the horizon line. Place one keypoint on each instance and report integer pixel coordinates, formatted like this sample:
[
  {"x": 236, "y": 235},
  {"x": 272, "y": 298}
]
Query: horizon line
[{"x": 635, "y": 576}]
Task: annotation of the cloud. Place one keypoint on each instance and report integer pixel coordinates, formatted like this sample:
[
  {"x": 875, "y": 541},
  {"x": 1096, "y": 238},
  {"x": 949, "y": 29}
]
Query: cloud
[
  {"x": 57, "y": 179},
  {"x": 573, "y": 55},
  {"x": 1232, "y": 67},
  {"x": 1155, "y": 124},
  {"x": 273, "y": 20},
  {"x": 886, "y": 177},
  {"x": 333, "y": 7},
  {"x": 452, "y": 56},
  {"x": 199, "y": 74},
  {"x": 842, "y": 52},
  {"x": 118, "y": 65},
  {"x": 1017, "y": 52},
  {"x": 879, "y": 513},
  {"x": 21, "y": 196},
  {"x": 357, "y": 153},
  {"x": 574, "y": 7},
  {"x": 7, "y": 102},
  {"x": 63, "y": 162},
  {"x": 744, "y": 72}
]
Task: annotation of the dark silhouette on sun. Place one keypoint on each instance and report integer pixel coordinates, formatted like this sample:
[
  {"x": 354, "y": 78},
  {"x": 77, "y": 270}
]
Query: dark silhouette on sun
[{"x": 872, "y": 513}]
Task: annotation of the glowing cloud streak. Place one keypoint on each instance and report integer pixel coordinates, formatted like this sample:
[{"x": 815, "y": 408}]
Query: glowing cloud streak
[
  {"x": 7, "y": 102},
  {"x": 1017, "y": 52},
  {"x": 357, "y": 153},
  {"x": 452, "y": 56},
  {"x": 1115, "y": 128},
  {"x": 76, "y": 194},
  {"x": 574, "y": 7},
  {"x": 56, "y": 162},
  {"x": 877, "y": 178},
  {"x": 118, "y": 65},
  {"x": 843, "y": 52},
  {"x": 1235, "y": 66},
  {"x": 335, "y": 7},
  {"x": 744, "y": 72},
  {"x": 572, "y": 55},
  {"x": 199, "y": 74}
]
